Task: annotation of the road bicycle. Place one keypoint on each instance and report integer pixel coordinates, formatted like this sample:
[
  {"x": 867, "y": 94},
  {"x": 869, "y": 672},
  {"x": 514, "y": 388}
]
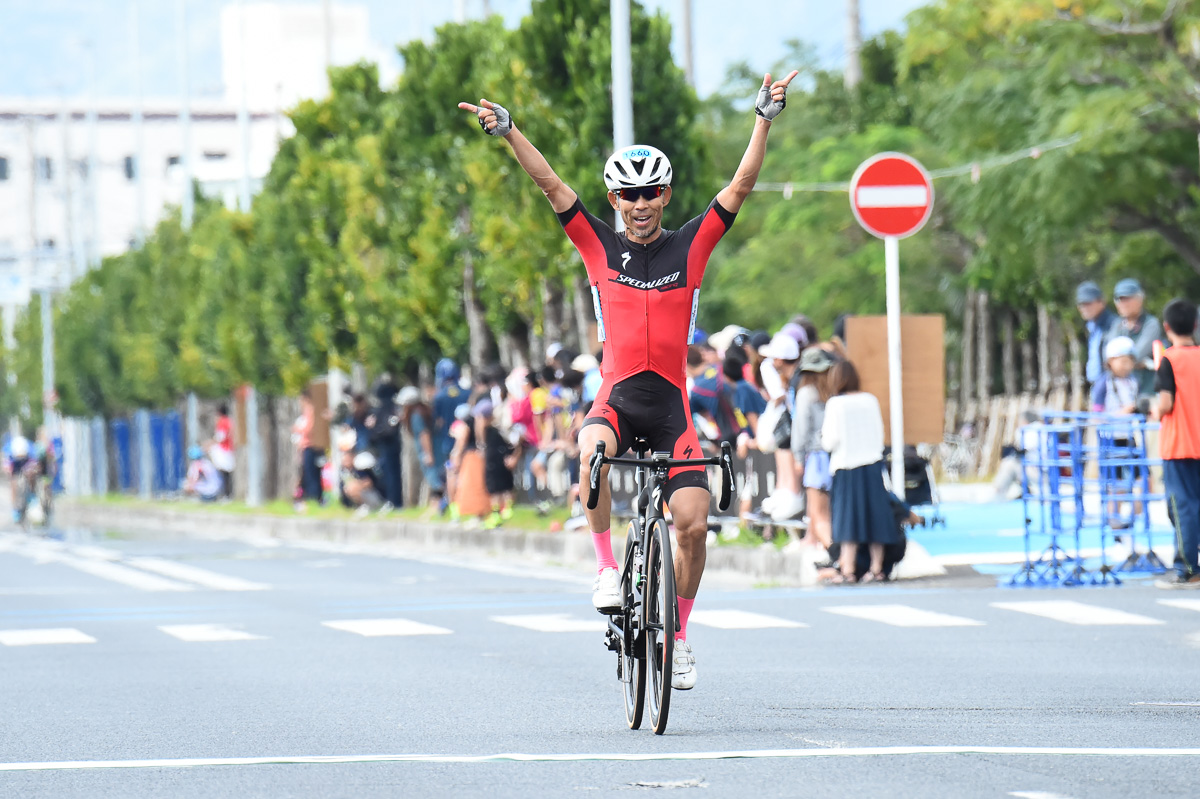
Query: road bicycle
[{"x": 642, "y": 631}]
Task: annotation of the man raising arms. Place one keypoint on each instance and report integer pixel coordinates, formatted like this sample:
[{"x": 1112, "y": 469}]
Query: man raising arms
[{"x": 645, "y": 285}]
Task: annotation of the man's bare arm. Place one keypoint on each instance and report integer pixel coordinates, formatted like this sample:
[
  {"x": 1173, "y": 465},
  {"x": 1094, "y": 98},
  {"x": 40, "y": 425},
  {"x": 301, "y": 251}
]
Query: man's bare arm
[
  {"x": 560, "y": 195},
  {"x": 771, "y": 98}
]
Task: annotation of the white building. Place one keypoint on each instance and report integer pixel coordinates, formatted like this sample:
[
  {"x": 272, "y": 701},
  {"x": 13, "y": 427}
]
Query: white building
[{"x": 69, "y": 192}]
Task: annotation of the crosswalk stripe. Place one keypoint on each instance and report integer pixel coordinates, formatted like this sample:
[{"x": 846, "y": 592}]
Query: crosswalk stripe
[
  {"x": 1186, "y": 604},
  {"x": 554, "y": 623},
  {"x": 62, "y": 635},
  {"x": 117, "y": 573},
  {"x": 206, "y": 633},
  {"x": 903, "y": 616},
  {"x": 373, "y": 628},
  {"x": 194, "y": 574},
  {"x": 739, "y": 620},
  {"x": 1071, "y": 612}
]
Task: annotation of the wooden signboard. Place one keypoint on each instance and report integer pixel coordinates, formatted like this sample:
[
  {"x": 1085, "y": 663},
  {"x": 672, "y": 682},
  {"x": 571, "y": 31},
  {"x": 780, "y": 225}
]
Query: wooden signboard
[
  {"x": 319, "y": 391},
  {"x": 923, "y": 371}
]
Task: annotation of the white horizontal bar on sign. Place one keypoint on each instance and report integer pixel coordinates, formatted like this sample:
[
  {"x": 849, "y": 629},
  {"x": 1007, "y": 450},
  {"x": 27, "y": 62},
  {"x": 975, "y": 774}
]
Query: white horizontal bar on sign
[
  {"x": 62, "y": 635},
  {"x": 373, "y": 628},
  {"x": 1071, "y": 612},
  {"x": 194, "y": 574},
  {"x": 207, "y": 633},
  {"x": 892, "y": 196}
]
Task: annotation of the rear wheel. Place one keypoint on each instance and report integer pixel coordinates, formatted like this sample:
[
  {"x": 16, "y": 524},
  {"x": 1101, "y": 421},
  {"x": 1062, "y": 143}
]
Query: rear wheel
[
  {"x": 659, "y": 615},
  {"x": 633, "y": 657}
]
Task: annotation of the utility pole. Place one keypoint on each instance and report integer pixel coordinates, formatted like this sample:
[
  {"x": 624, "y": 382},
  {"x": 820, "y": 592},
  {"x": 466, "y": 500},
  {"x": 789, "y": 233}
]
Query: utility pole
[
  {"x": 686, "y": 25},
  {"x": 185, "y": 114},
  {"x": 460, "y": 11},
  {"x": 327, "y": 11},
  {"x": 69, "y": 228},
  {"x": 93, "y": 177},
  {"x": 853, "y": 74},
  {"x": 622, "y": 80},
  {"x": 243, "y": 115},
  {"x": 135, "y": 35}
]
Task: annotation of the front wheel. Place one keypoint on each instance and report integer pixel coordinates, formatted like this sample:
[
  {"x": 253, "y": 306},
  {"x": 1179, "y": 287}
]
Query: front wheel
[
  {"x": 659, "y": 621},
  {"x": 633, "y": 658}
]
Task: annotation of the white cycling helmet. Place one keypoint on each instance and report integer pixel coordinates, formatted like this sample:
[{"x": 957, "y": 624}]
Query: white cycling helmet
[
  {"x": 637, "y": 166},
  {"x": 19, "y": 447}
]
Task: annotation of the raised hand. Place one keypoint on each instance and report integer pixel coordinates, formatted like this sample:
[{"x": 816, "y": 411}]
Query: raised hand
[
  {"x": 493, "y": 117},
  {"x": 772, "y": 97}
]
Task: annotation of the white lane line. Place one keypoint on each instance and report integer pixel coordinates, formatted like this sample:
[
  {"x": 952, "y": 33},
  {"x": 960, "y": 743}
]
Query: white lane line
[
  {"x": 1186, "y": 604},
  {"x": 63, "y": 635},
  {"x": 903, "y": 616},
  {"x": 756, "y": 754},
  {"x": 739, "y": 620},
  {"x": 194, "y": 574},
  {"x": 372, "y": 628},
  {"x": 1037, "y": 795},
  {"x": 1071, "y": 612},
  {"x": 207, "y": 633},
  {"x": 554, "y": 623},
  {"x": 96, "y": 553}
]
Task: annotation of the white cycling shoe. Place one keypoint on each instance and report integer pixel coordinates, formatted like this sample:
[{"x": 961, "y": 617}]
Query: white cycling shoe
[
  {"x": 606, "y": 591},
  {"x": 683, "y": 667}
]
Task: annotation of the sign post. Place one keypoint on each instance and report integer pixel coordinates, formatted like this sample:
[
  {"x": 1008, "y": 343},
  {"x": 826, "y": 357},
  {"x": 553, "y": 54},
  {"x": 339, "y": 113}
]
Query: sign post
[{"x": 891, "y": 195}]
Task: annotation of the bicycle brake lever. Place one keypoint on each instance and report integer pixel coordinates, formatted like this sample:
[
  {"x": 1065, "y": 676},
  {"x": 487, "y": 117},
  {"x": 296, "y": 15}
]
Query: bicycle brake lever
[
  {"x": 594, "y": 480},
  {"x": 726, "y": 476}
]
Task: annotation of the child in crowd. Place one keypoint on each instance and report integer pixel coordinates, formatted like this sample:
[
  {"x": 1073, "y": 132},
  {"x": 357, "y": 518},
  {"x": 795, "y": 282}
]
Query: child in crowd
[
  {"x": 203, "y": 481},
  {"x": 1177, "y": 382},
  {"x": 499, "y": 459},
  {"x": 1116, "y": 393}
]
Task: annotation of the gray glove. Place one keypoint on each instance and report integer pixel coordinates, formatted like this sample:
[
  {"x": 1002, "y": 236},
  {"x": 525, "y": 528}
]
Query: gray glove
[
  {"x": 767, "y": 108},
  {"x": 503, "y": 121}
]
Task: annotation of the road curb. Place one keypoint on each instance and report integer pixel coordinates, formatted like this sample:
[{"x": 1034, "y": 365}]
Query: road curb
[{"x": 763, "y": 564}]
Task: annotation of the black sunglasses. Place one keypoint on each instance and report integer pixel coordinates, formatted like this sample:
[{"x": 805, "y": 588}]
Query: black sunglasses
[{"x": 649, "y": 192}]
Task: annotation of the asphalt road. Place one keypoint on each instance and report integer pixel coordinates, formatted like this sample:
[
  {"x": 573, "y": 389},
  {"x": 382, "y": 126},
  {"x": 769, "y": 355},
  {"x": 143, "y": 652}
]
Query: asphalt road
[{"x": 828, "y": 692}]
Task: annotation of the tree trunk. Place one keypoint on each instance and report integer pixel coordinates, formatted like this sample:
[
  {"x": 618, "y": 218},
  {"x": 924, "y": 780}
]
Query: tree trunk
[
  {"x": 582, "y": 305},
  {"x": 1028, "y": 379},
  {"x": 1044, "y": 335},
  {"x": 1075, "y": 350},
  {"x": 983, "y": 344},
  {"x": 1058, "y": 355},
  {"x": 552, "y": 319},
  {"x": 480, "y": 337},
  {"x": 1008, "y": 354},
  {"x": 537, "y": 349},
  {"x": 967, "y": 386},
  {"x": 853, "y": 74}
]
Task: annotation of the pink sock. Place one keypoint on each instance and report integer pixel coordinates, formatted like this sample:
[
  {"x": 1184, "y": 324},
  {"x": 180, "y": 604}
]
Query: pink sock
[
  {"x": 604, "y": 556},
  {"x": 685, "y": 610}
]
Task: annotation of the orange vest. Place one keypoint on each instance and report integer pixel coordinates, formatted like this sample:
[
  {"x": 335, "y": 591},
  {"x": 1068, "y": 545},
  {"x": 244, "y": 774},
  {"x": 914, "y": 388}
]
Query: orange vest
[{"x": 1180, "y": 437}]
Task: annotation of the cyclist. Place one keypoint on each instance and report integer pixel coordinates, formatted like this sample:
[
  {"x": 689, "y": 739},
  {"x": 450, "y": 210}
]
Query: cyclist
[
  {"x": 16, "y": 461},
  {"x": 645, "y": 286}
]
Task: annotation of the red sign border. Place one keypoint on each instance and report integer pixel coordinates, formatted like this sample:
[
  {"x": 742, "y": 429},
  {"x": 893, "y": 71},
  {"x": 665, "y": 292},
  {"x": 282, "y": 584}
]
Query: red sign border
[{"x": 864, "y": 166}]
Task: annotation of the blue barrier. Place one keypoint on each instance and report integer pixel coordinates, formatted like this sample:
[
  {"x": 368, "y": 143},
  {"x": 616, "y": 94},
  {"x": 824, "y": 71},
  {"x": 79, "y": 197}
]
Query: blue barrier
[
  {"x": 1060, "y": 455},
  {"x": 120, "y": 431},
  {"x": 166, "y": 442}
]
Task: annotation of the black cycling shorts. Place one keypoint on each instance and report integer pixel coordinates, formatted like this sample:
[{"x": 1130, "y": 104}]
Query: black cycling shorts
[{"x": 652, "y": 407}]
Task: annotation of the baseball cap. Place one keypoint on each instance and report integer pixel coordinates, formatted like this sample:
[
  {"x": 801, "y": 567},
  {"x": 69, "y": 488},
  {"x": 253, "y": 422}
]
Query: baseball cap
[
  {"x": 781, "y": 346},
  {"x": 699, "y": 337},
  {"x": 552, "y": 350},
  {"x": 408, "y": 395},
  {"x": 759, "y": 339},
  {"x": 726, "y": 337},
  {"x": 815, "y": 359},
  {"x": 1129, "y": 287},
  {"x": 1121, "y": 345},
  {"x": 795, "y": 331},
  {"x": 585, "y": 362},
  {"x": 1088, "y": 291}
]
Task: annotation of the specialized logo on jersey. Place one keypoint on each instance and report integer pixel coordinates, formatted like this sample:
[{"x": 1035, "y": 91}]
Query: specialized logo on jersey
[
  {"x": 625, "y": 260},
  {"x": 661, "y": 283}
]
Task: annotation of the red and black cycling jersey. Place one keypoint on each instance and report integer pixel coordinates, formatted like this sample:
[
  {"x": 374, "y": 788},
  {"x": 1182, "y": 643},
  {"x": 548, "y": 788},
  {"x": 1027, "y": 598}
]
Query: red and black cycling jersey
[{"x": 645, "y": 295}]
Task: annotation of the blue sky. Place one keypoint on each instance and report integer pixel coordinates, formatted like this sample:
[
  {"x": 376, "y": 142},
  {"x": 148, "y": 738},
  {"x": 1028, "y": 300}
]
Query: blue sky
[{"x": 43, "y": 43}]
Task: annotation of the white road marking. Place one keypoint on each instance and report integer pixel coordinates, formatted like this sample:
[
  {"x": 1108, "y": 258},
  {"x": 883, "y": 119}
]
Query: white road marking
[
  {"x": 1186, "y": 604},
  {"x": 96, "y": 553},
  {"x": 373, "y": 628},
  {"x": 206, "y": 633},
  {"x": 739, "y": 620},
  {"x": 757, "y": 754},
  {"x": 122, "y": 574},
  {"x": 1071, "y": 612},
  {"x": 63, "y": 635},
  {"x": 1037, "y": 795},
  {"x": 903, "y": 616},
  {"x": 194, "y": 574},
  {"x": 554, "y": 623},
  {"x": 892, "y": 196}
]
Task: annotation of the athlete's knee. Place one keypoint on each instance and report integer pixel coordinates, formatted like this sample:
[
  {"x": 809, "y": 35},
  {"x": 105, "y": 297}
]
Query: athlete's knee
[{"x": 589, "y": 437}]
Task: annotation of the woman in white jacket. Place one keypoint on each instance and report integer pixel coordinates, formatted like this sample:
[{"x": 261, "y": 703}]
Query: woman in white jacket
[{"x": 861, "y": 513}]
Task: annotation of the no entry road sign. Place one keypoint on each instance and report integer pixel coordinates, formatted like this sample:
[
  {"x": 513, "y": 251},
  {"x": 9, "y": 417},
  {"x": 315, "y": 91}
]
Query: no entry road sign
[{"x": 891, "y": 195}]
